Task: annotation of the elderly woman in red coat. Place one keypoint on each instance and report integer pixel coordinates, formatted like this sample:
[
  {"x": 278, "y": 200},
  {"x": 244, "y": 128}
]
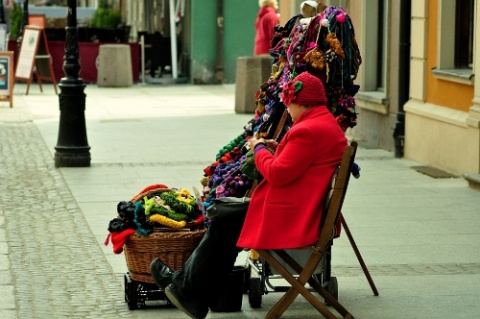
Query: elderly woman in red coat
[
  {"x": 267, "y": 19},
  {"x": 289, "y": 200},
  {"x": 285, "y": 208}
]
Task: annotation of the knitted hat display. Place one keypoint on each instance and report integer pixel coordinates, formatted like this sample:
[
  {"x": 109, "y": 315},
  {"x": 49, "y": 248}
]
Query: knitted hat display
[
  {"x": 305, "y": 89},
  {"x": 310, "y": 3}
]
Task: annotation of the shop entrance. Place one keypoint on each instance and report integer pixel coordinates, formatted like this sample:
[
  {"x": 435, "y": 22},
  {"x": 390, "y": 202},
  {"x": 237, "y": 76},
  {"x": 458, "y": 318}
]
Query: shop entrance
[{"x": 159, "y": 27}]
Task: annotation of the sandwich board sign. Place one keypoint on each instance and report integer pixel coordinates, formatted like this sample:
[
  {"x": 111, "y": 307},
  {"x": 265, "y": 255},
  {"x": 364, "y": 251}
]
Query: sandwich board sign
[{"x": 34, "y": 58}]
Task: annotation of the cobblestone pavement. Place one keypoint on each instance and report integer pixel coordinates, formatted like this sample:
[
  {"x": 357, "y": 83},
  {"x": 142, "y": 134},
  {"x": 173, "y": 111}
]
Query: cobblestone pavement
[{"x": 57, "y": 268}]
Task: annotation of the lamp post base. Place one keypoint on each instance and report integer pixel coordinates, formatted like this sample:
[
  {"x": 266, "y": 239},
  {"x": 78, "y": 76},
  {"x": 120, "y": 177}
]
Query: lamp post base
[
  {"x": 72, "y": 148},
  {"x": 72, "y": 157}
]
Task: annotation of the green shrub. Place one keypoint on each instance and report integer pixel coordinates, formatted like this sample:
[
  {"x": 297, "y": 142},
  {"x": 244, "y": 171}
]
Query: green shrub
[
  {"x": 106, "y": 17},
  {"x": 16, "y": 17}
]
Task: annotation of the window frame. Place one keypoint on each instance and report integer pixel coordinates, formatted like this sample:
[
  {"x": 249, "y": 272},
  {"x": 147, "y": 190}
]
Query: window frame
[
  {"x": 375, "y": 53},
  {"x": 446, "y": 68}
]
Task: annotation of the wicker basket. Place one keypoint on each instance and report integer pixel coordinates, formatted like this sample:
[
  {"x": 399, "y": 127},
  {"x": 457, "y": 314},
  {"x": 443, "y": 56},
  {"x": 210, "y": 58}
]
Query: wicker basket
[{"x": 173, "y": 248}]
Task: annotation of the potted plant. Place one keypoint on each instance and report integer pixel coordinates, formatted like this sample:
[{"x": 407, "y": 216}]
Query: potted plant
[
  {"x": 106, "y": 24},
  {"x": 16, "y": 17},
  {"x": 106, "y": 16}
]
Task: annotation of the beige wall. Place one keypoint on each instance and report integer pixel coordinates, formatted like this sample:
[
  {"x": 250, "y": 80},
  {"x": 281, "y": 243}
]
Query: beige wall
[{"x": 439, "y": 136}]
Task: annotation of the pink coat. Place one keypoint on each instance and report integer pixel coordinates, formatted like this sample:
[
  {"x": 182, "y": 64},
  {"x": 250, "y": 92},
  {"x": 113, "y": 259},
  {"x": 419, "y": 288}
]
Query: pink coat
[
  {"x": 286, "y": 207},
  {"x": 267, "y": 18}
]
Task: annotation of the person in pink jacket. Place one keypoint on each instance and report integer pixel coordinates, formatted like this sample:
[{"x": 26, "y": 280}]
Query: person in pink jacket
[
  {"x": 267, "y": 19},
  {"x": 285, "y": 208}
]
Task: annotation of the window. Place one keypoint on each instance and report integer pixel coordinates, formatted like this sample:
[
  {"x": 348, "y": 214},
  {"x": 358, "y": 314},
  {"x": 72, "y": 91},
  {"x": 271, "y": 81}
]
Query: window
[
  {"x": 464, "y": 34},
  {"x": 380, "y": 46},
  {"x": 455, "y": 56},
  {"x": 374, "y": 48}
]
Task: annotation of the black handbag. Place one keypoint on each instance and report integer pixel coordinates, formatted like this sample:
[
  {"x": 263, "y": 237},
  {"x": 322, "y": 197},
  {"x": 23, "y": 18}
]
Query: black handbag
[{"x": 225, "y": 207}]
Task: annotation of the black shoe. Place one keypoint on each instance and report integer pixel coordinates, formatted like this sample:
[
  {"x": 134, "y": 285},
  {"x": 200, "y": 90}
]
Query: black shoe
[
  {"x": 161, "y": 273},
  {"x": 187, "y": 306}
]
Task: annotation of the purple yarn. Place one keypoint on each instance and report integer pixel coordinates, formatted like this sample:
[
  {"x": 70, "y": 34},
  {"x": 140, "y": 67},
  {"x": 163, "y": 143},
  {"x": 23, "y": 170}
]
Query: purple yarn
[{"x": 258, "y": 148}]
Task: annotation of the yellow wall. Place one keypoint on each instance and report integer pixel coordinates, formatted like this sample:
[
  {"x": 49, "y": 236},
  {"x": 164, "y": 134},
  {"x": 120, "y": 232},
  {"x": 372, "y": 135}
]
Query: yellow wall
[
  {"x": 445, "y": 93},
  {"x": 285, "y": 11}
]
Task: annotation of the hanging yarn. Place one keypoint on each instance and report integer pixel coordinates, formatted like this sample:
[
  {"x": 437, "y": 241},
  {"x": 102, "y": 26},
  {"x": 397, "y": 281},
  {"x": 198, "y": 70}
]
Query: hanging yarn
[
  {"x": 335, "y": 46},
  {"x": 316, "y": 58},
  {"x": 325, "y": 47}
]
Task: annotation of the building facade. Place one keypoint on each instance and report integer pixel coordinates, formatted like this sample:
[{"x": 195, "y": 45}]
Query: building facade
[
  {"x": 419, "y": 96},
  {"x": 443, "y": 112}
]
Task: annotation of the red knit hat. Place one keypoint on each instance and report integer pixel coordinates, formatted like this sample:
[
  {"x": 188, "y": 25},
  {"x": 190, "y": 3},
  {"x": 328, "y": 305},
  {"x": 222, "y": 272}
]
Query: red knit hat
[
  {"x": 305, "y": 89},
  {"x": 118, "y": 239}
]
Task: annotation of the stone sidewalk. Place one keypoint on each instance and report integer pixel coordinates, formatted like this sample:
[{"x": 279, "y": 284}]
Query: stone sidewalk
[{"x": 418, "y": 235}]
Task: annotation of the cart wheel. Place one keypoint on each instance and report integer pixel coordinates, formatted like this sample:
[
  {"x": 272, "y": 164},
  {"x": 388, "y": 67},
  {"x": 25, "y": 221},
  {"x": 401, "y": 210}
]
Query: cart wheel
[
  {"x": 140, "y": 294},
  {"x": 246, "y": 283},
  {"x": 255, "y": 293},
  {"x": 130, "y": 293},
  {"x": 332, "y": 288},
  {"x": 126, "y": 279}
]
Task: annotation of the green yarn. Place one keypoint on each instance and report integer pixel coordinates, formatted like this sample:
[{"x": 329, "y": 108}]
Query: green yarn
[
  {"x": 249, "y": 168},
  {"x": 158, "y": 209},
  {"x": 171, "y": 200},
  {"x": 177, "y": 216},
  {"x": 236, "y": 142},
  {"x": 153, "y": 207},
  {"x": 168, "y": 213}
]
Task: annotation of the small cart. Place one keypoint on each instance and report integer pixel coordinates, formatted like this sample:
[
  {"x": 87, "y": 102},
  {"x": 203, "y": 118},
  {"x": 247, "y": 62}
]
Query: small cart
[{"x": 172, "y": 247}]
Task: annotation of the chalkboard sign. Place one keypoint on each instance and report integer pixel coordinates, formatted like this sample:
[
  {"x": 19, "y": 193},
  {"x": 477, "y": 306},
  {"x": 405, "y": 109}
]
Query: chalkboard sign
[
  {"x": 34, "y": 56},
  {"x": 6, "y": 77}
]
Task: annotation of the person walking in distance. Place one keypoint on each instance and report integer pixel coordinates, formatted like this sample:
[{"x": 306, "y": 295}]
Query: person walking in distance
[{"x": 267, "y": 19}]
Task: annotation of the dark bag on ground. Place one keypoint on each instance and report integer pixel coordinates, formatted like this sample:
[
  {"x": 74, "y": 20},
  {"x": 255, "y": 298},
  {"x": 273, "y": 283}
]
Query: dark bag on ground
[{"x": 225, "y": 207}]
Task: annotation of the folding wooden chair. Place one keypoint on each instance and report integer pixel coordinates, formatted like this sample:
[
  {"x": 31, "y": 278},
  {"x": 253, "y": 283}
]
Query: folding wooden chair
[{"x": 317, "y": 251}]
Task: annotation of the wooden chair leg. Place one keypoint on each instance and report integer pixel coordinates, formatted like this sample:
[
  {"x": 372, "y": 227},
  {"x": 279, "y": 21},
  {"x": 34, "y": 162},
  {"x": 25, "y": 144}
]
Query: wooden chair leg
[
  {"x": 313, "y": 283},
  {"x": 298, "y": 287},
  {"x": 330, "y": 299},
  {"x": 359, "y": 257},
  {"x": 287, "y": 299}
]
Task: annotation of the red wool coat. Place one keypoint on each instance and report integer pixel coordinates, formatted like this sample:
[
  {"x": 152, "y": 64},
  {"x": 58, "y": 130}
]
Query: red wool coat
[
  {"x": 267, "y": 18},
  {"x": 286, "y": 207}
]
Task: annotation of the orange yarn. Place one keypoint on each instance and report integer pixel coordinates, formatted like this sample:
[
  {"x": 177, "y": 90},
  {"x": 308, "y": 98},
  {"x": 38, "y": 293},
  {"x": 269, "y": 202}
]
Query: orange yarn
[
  {"x": 316, "y": 58},
  {"x": 335, "y": 45}
]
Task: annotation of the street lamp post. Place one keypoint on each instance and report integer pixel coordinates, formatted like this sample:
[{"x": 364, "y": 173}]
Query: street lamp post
[
  {"x": 72, "y": 148},
  {"x": 23, "y": 24},
  {"x": 2, "y": 12}
]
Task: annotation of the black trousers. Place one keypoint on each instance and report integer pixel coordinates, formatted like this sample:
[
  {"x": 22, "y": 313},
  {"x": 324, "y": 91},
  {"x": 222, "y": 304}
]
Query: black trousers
[{"x": 204, "y": 274}]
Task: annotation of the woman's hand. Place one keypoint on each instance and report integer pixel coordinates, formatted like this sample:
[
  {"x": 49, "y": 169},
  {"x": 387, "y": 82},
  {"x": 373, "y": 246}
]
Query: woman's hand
[
  {"x": 271, "y": 144},
  {"x": 254, "y": 141}
]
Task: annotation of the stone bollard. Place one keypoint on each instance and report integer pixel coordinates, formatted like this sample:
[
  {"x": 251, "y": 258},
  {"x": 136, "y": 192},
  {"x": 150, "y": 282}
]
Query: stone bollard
[
  {"x": 114, "y": 66},
  {"x": 251, "y": 73}
]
